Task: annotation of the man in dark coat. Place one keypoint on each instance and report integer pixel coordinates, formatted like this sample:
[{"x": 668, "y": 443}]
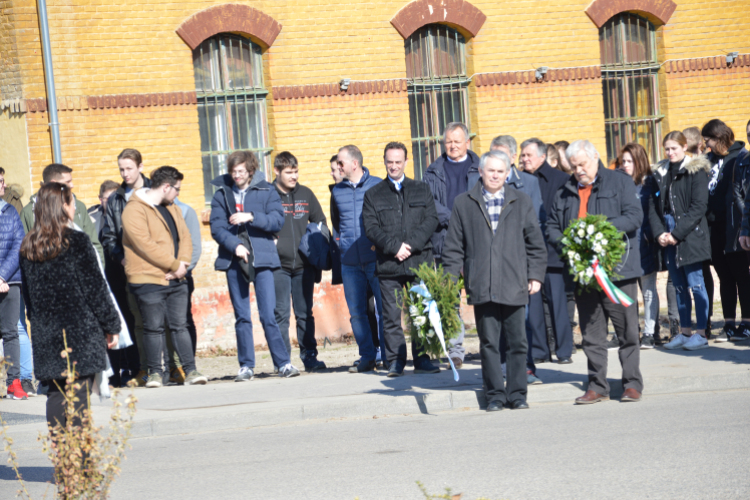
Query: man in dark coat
[
  {"x": 494, "y": 236},
  {"x": 598, "y": 191},
  {"x": 399, "y": 217},
  {"x": 454, "y": 172},
  {"x": 534, "y": 161}
]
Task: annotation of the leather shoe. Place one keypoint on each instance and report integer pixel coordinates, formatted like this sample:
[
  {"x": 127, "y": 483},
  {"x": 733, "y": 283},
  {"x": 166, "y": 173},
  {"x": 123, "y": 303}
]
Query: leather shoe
[
  {"x": 395, "y": 370},
  {"x": 361, "y": 367},
  {"x": 591, "y": 397},
  {"x": 519, "y": 405},
  {"x": 495, "y": 406},
  {"x": 564, "y": 361},
  {"x": 630, "y": 396}
]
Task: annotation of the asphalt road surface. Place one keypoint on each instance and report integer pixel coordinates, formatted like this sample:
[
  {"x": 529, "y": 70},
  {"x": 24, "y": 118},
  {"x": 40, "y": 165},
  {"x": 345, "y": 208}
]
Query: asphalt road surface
[{"x": 672, "y": 446}]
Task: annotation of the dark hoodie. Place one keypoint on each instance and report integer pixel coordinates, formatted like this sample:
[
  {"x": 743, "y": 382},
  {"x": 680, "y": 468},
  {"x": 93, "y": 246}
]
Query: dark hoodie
[{"x": 301, "y": 207}]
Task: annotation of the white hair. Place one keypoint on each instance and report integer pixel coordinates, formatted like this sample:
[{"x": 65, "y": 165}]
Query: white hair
[
  {"x": 584, "y": 145},
  {"x": 507, "y": 141},
  {"x": 497, "y": 155},
  {"x": 453, "y": 126}
]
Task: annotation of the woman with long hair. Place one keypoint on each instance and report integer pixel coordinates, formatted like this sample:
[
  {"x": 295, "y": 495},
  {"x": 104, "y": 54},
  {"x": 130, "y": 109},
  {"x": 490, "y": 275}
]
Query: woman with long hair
[
  {"x": 726, "y": 201},
  {"x": 677, "y": 213},
  {"x": 65, "y": 293},
  {"x": 633, "y": 160}
]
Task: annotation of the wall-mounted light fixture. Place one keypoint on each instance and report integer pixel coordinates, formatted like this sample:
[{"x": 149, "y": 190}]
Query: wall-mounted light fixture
[
  {"x": 731, "y": 57},
  {"x": 540, "y": 72},
  {"x": 344, "y": 84}
]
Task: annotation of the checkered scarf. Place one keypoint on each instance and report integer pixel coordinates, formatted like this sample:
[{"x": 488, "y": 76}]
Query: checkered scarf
[{"x": 494, "y": 203}]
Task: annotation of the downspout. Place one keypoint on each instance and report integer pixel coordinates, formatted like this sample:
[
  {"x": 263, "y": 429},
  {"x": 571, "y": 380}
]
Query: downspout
[{"x": 49, "y": 76}]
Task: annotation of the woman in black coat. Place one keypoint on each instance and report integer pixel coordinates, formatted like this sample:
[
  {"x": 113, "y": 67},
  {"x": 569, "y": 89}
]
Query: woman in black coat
[
  {"x": 725, "y": 206},
  {"x": 677, "y": 215},
  {"x": 64, "y": 290}
]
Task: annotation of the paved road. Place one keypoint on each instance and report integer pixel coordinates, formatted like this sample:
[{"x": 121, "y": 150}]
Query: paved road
[{"x": 668, "y": 446}]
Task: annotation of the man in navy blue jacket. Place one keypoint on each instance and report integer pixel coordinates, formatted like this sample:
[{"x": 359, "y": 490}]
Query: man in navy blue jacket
[
  {"x": 357, "y": 252},
  {"x": 534, "y": 161},
  {"x": 245, "y": 201}
]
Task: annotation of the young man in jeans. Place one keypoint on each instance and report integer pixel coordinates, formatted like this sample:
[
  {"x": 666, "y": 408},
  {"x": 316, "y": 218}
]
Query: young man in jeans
[
  {"x": 158, "y": 250},
  {"x": 296, "y": 277},
  {"x": 11, "y": 236}
]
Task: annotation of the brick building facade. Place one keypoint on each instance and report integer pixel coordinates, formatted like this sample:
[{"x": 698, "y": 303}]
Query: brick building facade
[{"x": 187, "y": 82}]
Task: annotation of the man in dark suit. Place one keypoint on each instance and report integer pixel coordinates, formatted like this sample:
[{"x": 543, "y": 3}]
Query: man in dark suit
[
  {"x": 399, "y": 218},
  {"x": 494, "y": 237},
  {"x": 534, "y": 161}
]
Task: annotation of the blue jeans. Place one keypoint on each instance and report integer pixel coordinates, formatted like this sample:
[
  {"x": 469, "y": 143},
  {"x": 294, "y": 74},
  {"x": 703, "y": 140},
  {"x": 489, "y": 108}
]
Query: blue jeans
[
  {"x": 27, "y": 360},
  {"x": 355, "y": 280},
  {"x": 265, "y": 297},
  {"x": 687, "y": 278}
]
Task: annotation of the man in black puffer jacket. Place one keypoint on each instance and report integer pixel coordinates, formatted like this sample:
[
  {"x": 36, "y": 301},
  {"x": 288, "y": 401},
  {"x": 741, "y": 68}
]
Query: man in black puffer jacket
[
  {"x": 296, "y": 277},
  {"x": 399, "y": 218}
]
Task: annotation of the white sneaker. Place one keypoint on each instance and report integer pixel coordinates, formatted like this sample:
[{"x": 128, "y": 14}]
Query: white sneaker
[
  {"x": 677, "y": 342},
  {"x": 695, "y": 342},
  {"x": 288, "y": 371}
]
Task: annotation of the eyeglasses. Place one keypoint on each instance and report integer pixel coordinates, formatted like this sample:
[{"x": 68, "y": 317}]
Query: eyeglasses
[{"x": 176, "y": 189}]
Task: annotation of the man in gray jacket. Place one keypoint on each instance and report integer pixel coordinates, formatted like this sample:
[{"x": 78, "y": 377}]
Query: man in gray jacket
[{"x": 494, "y": 236}]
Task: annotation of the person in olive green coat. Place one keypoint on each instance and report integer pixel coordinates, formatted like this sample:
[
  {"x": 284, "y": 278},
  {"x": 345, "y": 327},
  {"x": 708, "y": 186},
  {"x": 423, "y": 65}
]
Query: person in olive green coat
[{"x": 62, "y": 174}]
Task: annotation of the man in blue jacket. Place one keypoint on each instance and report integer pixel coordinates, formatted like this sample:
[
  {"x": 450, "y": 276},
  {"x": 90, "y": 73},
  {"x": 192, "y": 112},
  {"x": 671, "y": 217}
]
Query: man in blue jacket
[
  {"x": 357, "y": 252},
  {"x": 11, "y": 236},
  {"x": 245, "y": 203},
  {"x": 454, "y": 172}
]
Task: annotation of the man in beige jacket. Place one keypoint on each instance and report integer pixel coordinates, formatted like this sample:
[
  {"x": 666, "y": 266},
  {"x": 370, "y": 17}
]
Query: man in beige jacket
[{"x": 158, "y": 249}]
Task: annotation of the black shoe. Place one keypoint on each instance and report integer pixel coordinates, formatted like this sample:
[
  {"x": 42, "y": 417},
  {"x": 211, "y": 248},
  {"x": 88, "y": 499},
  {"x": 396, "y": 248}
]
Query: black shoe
[
  {"x": 647, "y": 342},
  {"x": 426, "y": 367},
  {"x": 519, "y": 405},
  {"x": 313, "y": 365},
  {"x": 396, "y": 370},
  {"x": 539, "y": 361},
  {"x": 725, "y": 333},
  {"x": 613, "y": 343},
  {"x": 495, "y": 406},
  {"x": 363, "y": 366},
  {"x": 741, "y": 334},
  {"x": 565, "y": 361}
]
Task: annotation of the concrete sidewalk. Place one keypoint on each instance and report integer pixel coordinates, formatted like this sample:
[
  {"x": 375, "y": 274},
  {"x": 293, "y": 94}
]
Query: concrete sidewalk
[{"x": 336, "y": 394}]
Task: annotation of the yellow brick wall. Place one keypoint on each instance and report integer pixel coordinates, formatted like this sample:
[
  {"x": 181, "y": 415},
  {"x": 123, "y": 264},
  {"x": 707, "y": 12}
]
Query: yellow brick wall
[{"x": 14, "y": 153}]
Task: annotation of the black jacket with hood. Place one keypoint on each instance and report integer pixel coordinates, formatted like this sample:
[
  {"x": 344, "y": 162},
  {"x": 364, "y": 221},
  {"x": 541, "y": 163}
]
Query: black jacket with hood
[
  {"x": 111, "y": 230},
  {"x": 739, "y": 176},
  {"x": 301, "y": 207},
  {"x": 688, "y": 198}
]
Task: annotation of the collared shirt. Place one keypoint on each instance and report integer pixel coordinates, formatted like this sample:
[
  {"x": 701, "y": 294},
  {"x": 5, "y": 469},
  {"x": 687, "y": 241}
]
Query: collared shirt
[
  {"x": 398, "y": 182},
  {"x": 494, "y": 203}
]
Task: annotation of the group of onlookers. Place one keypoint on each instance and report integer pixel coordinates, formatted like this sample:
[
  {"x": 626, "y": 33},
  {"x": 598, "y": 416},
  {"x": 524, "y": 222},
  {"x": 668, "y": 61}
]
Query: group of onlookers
[{"x": 496, "y": 223}]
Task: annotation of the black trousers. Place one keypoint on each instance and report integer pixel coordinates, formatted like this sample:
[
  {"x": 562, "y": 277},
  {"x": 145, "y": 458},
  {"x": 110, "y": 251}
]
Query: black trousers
[
  {"x": 128, "y": 358},
  {"x": 500, "y": 324},
  {"x": 556, "y": 297},
  {"x": 299, "y": 286},
  {"x": 56, "y": 401},
  {"x": 594, "y": 307},
  {"x": 734, "y": 283},
  {"x": 393, "y": 333}
]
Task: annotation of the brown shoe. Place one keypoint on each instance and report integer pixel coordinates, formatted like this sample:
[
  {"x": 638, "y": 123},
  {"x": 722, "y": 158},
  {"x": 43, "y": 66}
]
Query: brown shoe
[
  {"x": 591, "y": 397},
  {"x": 457, "y": 362},
  {"x": 630, "y": 396}
]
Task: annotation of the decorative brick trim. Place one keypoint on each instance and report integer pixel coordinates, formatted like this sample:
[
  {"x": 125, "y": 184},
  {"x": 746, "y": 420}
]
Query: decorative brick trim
[
  {"x": 601, "y": 11},
  {"x": 705, "y": 63},
  {"x": 227, "y": 18},
  {"x": 332, "y": 89},
  {"x": 529, "y": 78},
  {"x": 422, "y": 12},
  {"x": 70, "y": 103}
]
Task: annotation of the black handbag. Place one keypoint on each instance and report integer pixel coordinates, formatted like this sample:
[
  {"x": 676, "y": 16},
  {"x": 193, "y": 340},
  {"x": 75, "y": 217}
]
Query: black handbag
[{"x": 247, "y": 268}]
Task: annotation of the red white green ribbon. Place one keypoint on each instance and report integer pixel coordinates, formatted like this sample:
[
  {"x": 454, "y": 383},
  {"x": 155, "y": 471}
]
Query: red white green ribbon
[{"x": 615, "y": 294}]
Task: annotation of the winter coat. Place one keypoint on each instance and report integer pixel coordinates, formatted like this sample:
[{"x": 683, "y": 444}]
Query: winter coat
[
  {"x": 264, "y": 202},
  {"x": 688, "y": 198},
  {"x": 96, "y": 214},
  {"x": 346, "y": 218},
  {"x": 720, "y": 182},
  {"x": 13, "y": 194},
  {"x": 649, "y": 247},
  {"x": 112, "y": 224},
  {"x": 434, "y": 176},
  {"x": 315, "y": 247},
  {"x": 614, "y": 195},
  {"x": 148, "y": 241},
  {"x": 336, "y": 278},
  {"x": 301, "y": 207},
  {"x": 82, "y": 219},
  {"x": 496, "y": 266},
  {"x": 11, "y": 236},
  {"x": 69, "y": 293},
  {"x": 740, "y": 178},
  {"x": 394, "y": 217},
  {"x": 527, "y": 183},
  {"x": 550, "y": 182}
]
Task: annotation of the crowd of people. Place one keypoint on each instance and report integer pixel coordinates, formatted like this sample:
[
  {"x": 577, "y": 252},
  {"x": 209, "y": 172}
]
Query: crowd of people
[{"x": 123, "y": 269}]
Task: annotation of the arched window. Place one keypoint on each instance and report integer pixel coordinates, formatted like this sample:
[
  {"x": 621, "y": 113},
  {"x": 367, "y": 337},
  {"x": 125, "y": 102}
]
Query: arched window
[
  {"x": 437, "y": 85},
  {"x": 631, "y": 87},
  {"x": 231, "y": 103}
]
